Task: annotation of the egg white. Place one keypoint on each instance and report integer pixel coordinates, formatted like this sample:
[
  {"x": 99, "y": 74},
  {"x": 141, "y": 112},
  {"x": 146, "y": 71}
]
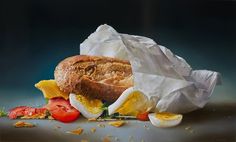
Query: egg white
[
  {"x": 79, "y": 106},
  {"x": 142, "y": 104},
  {"x": 123, "y": 97},
  {"x": 164, "y": 123},
  {"x": 113, "y": 107}
]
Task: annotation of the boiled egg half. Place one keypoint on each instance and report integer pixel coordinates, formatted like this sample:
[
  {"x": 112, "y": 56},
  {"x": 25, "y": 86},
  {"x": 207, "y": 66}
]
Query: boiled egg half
[
  {"x": 89, "y": 108},
  {"x": 131, "y": 102},
  {"x": 165, "y": 119}
]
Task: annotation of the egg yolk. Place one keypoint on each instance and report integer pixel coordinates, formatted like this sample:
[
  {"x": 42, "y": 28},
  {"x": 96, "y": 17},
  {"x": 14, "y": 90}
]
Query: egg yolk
[
  {"x": 167, "y": 116},
  {"x": 93, "y": 106},
  {"x": 117, "y": 123},
  {"x": 50, "y": 89},
  {"x": 134, "y": 104}
]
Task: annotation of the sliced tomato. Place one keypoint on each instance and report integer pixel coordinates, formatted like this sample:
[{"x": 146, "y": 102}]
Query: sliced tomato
[
  {"x": 17, "y": 112},
  {"x": 143, "y": 116},
  {"x": 25, "y": 111},
  {"x": 61, "y": 110}
]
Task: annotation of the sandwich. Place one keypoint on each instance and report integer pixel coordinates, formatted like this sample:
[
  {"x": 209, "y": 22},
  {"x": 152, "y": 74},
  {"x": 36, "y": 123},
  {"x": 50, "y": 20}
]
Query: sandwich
[
  {"x": 97, "y": 87},
  {"x": 82, "y": 84},
  {"x": 96, "y": 77}
]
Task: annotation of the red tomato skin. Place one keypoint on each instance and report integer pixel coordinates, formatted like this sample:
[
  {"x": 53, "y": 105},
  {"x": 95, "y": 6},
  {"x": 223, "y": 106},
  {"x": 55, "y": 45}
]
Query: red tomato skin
[
  {"x": 17, "y": 111},
  {"x": 65, "y": 118},
  {"x": 61, "y": 110},
  {"x": 25, "y": 111},
  {"x": 143, "y": 116}
]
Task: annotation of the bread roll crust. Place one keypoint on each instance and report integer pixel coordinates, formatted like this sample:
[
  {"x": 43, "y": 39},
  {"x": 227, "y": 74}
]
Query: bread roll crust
[{"x": 98, "y": 77}]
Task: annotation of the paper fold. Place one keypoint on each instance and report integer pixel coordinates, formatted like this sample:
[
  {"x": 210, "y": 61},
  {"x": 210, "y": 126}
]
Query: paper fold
[{"x": 157, "y": 72}]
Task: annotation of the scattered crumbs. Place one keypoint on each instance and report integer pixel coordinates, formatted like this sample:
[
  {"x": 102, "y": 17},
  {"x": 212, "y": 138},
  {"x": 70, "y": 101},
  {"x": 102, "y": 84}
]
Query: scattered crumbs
[
  {"x": 76, "y": 131},
  {"x": 35, "y": 116},
  {"x": 93, "y": 130},
  {"x": 187, "y": 128},
  {"x": 84, "y": 141},
  {"x": 57, "y": 127},
  {"x": 92, "y": 119},
  {"x": 20, "y": 124},
  {"x": 106, "y": 139},
  {"x": 101, "y": 125},
  {"x": 146, "y": 127},
  {"x": 109, "y": 138},
  {"x": 117, "y": 123}
]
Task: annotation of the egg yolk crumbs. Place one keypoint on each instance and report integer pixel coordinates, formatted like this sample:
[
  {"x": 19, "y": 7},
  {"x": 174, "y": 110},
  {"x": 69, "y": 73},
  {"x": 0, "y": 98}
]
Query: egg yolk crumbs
[
  {"x": 134, "y": 104},
  {"x": 167, "y": 116},
  {"x": 21, "y": 124},
  {"x": 117, "y": 123},
  {"x": 77, "y": 131},
  {"x": 93, "y": 106}
]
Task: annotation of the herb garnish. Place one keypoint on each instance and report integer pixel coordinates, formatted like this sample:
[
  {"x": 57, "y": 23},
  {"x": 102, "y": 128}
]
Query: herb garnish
[{"x": 3, "y": 113}]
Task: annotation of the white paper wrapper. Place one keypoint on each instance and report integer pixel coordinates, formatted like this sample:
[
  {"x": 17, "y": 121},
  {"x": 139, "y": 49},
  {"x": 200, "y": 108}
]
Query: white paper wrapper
[{"x": 164, "y": 77}]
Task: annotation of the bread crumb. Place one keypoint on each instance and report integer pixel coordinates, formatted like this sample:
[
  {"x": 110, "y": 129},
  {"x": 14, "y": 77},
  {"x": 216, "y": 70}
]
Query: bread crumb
[
  {"x": 58, "y": 127},
  {"x": 106, "y": 139},
  {"x": 76, "y": 131},
  {"x": 101, "y": 125},
  {"x": 146, "y": 127},
  {"x": 187, "y": 128},
  {"x": 117, "y": 123},
  {"x": 93, "y": 130},
  {"x": 20, "y": 124},
  {"x": 92, "y": 119}
]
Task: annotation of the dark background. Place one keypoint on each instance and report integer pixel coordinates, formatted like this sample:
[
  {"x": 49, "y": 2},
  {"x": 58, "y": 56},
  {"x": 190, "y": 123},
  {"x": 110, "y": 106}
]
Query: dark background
[{"x": 35, "y": 35}]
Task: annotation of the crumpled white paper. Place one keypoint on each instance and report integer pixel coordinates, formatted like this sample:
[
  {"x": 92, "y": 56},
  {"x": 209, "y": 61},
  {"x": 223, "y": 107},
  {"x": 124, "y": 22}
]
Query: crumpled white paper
[{"x": 164, "y": 77}]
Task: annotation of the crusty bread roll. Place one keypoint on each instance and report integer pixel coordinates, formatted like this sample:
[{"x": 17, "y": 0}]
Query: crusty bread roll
[{"x": 94, "y": 76}]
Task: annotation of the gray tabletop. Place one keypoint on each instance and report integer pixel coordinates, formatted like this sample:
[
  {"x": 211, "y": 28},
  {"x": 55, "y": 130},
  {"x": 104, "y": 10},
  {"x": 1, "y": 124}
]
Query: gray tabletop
[{"x": 215, "y": 122}]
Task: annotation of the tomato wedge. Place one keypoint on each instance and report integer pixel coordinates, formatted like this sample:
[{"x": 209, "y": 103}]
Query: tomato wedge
[
  {"x": 61, "y": 110},
  {"x": 26, "y": 112},
  {"x": 143, "y": 116}
]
